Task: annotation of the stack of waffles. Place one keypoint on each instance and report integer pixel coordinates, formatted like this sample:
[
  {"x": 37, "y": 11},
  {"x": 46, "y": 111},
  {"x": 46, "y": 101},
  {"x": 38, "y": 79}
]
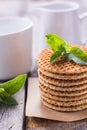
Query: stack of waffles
[{"x": 63, "y": 85}]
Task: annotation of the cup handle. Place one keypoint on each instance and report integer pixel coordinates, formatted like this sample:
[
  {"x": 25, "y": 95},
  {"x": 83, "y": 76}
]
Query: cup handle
[{"x": 83, "y": 17}]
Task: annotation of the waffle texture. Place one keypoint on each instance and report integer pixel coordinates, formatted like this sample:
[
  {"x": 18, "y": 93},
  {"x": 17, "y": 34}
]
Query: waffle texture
[{"x": 63, "y": 85}]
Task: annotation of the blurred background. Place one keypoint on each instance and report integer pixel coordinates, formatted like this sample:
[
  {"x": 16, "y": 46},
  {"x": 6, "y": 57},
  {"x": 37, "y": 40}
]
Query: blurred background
[{"x": 22, "y": 8}]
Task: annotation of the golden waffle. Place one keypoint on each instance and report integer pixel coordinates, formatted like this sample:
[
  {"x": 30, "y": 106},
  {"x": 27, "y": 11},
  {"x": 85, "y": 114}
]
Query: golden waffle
[
  {"x": 62, "y": 93},
  {"x": 63, "y": 76},
  {"x": 59, "y": 82},
  {"x": 63, "y": 108},
  {"x": 64, "y": 98},
  {"x": 64, "y": 88},
  {"x": 63, "y": 103},
  {"x": 63, "y": 85},
  {"x": 61, "y": 66}
]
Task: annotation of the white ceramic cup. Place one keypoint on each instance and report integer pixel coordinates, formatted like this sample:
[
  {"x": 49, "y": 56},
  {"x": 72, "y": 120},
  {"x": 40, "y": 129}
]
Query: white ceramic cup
[
  {"x": 60, "y": 17},
  {"x": 15, "y": 46}
]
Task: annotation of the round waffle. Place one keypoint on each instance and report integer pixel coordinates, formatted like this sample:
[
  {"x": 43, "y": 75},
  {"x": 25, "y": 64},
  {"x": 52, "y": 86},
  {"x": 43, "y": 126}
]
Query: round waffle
[
  {"x": 64, "y": 88},
  {"x": 64, "y": 98},
  {"x": 59, "y": 82},
  {"x": 63, "y": 76},
  {"x": 63, "y": 108},
  {"x": 62, "y": 93},
  {"x": 63, "y": 103},
  {"x": 62, "y": 66}
]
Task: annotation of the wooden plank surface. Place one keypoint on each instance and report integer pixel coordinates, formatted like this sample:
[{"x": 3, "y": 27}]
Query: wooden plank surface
[
  {"x": 45, "y": 124},
  {"x": 11, "y": 117}
]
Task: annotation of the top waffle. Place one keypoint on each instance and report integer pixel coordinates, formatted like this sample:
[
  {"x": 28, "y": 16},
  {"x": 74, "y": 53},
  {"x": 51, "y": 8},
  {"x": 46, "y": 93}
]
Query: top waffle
[{"x": 61, "y": 66}]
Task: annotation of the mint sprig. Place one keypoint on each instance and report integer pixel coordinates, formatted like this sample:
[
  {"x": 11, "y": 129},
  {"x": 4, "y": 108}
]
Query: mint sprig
[
  {"x": 61, "y": 48},
  {"x": 11, "y": 87}
]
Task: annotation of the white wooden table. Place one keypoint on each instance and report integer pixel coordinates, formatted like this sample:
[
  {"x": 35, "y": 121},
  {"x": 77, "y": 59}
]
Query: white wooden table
[{"x": 13, "y": 117}]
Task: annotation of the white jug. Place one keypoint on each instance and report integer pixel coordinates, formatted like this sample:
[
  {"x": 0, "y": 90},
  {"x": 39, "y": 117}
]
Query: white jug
[{"x": 60, "y": 17}]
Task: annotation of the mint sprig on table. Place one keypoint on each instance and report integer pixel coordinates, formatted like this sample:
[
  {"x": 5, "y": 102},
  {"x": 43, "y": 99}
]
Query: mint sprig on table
[
  {"x": 61, "y": 48},
  {"x": 9, "y": 88}
]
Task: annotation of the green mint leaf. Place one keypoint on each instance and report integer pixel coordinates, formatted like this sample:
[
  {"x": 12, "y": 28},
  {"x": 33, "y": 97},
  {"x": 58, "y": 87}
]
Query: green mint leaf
[
  {"x": 55, "y": 56},
  {"x": 63, "y": 49},
  {"x": 6, "y": 98},
  {"x": 79, "y": 53},
  {"x": 9, "y": 100},
  {"x": 72, "y": 57},
  {"x": 54, "y": 41},
  {"x": 58, "y": 45},
  {"x": 1, "y": 91},
  {"x": 9, "y": 88},
  {"x": 14, "y": 85},
  {"x": 67, "y": 47}
]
